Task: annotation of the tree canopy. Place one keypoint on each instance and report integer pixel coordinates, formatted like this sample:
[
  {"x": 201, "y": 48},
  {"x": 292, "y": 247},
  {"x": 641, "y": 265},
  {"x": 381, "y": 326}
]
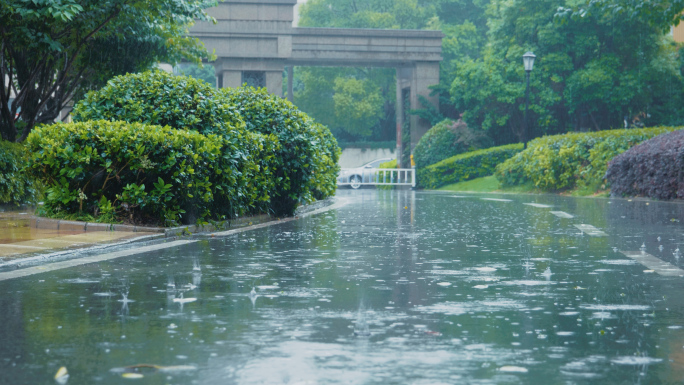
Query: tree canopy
[
  {"x": 599, "y": 63},
  {"x": 370, "y": 93},
  {"x": 53, "y": 50},
  {"x": 594, "y": 71}
]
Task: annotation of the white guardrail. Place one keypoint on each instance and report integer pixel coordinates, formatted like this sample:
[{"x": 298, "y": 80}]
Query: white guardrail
[{"x": 357, "y": 177}]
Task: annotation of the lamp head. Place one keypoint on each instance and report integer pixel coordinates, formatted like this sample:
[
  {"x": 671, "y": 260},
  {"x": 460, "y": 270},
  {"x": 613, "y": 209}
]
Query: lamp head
[{"x": 528, "y": 61}]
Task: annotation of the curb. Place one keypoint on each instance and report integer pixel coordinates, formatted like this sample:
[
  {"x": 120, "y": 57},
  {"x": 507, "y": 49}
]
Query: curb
[{"x": 64, "y": 225}]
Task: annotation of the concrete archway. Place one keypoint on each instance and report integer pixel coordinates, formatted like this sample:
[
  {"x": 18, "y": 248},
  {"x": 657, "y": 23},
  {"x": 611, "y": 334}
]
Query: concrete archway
[{"x": 255, "y": 42}]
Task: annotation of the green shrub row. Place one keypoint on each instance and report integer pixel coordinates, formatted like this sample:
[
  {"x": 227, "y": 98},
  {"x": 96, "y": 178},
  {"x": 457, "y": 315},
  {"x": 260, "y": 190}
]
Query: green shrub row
[
  {"x": 304, "y": 149},
  {"x": 16, "y": 186},
  {"x": 446, "y": 139},
  {"x": 158, "y": 148},
  {"x": 466, "y": 166},
  {"x": 134, "y": 172},
  {"x": 563, "y": 162},
  {"x": 298, "y": 156}
]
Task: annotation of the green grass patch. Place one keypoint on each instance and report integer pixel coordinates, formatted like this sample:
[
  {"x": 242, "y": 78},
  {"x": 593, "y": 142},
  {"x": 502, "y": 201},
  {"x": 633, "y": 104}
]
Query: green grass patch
[
  {"x": 489, "y": 184},
  {"x": 484, "y": 184}
]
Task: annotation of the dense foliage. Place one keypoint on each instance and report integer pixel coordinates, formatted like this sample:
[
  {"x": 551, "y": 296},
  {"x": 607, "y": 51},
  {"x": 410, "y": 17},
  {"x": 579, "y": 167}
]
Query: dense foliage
[
  {"x": 323, "y": 184},
  {"x": 276, "y": 160},
  {"x": 125, "y": 171},
  {"x": 564, "y": 162},
  {"x": 593, "y": 72},
  {"x": 463, "y": 167},
  {"x": 600, "y": 63},
  {"x": 16, "y": 185},
  {"x": 446, "y": 139},
  {"x": 654, "y": 168},
  {"x": 51, "y": 50},
  {"x": 357, "y": 104},
  {"x": 303, "y": 165},
  {"x": 157, "y": 97}
]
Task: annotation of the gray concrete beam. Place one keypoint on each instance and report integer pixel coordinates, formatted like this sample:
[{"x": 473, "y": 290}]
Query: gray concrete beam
[{"x": 368, "y": 32}]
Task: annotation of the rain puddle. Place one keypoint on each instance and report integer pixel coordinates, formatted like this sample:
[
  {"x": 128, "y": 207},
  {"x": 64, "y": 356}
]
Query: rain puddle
[{"x": 397, "y": 287}]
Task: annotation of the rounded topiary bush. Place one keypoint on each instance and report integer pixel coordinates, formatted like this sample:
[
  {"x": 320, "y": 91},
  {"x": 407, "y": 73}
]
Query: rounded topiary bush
[
  {"x": 157, "y": 97},
  {"x": 446, "y": 139},
  {"x": 181, "y": 102},
  {"x": 296, "y": 167}
]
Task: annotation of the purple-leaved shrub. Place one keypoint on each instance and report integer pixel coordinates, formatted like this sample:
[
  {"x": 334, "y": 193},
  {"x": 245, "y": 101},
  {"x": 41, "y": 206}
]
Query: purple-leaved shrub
[{"x": 654, "y": 168}]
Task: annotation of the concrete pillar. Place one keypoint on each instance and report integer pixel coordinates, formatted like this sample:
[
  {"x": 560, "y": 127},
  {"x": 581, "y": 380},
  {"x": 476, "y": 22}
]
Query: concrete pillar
[
  {"x": 399, "y": 112},
  {"x": 404, "y": 76},
  {"x": 425, "y": 74},
  {"x": 274, "y": 82},
  {"x": 231, "y": 79},
  {"x": 290, "y": 79}
]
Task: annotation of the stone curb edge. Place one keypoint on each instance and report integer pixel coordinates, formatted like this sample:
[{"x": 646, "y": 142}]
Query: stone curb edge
[{"x": 64, "y": 225}]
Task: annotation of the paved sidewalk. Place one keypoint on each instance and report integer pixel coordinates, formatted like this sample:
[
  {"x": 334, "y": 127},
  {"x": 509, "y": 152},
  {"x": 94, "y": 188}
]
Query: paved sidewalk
[
  {"x": 23, "y": 235},
  {"x": 20, "y": 237}
]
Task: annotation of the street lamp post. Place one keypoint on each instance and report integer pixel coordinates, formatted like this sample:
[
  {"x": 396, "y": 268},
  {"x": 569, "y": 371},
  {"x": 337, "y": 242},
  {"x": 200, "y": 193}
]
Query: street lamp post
[{"x": 528, "y": 63}]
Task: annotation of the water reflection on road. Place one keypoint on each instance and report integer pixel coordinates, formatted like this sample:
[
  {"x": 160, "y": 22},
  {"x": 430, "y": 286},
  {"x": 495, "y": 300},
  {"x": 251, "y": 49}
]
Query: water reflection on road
[{"x": 395, "y": 287}]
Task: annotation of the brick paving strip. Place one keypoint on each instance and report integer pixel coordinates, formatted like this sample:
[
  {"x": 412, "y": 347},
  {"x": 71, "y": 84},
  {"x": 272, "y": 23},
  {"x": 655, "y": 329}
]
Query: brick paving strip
[{"x": 47, "y": 267}]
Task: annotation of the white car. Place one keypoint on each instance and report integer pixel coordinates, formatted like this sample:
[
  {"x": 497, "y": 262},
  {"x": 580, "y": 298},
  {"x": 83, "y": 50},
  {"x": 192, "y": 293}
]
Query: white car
[{"x": 354, "y": 177}]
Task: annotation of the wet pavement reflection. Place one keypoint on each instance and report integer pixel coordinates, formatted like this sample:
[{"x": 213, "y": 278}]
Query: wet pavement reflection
[{"x": 395, "y": 287}]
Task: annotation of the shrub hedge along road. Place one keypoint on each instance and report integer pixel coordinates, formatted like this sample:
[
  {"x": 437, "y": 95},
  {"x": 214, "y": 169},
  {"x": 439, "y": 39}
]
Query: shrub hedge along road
[
  {"x": 303, "y": 165},
  {"x": 564, "y": 162},
  {"x": 157, "y": 148},
  {"x": 654, "y": 168},
  {"x": 466, "y": 166},
  {"x": 446, "y": 139},
  {"x": 130, "y": 170},
  {"x": 160, "y": 98}
]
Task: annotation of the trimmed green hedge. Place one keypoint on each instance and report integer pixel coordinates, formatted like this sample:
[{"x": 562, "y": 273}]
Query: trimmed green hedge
[
  {"x": 270, "y": 162},
  {"x": 446, "y": 139},
  {"x": 323, "y": 183},
  {"x": 563, "y": 162},
  {"x": 185, "y": 103},
  {"x": 293, "y": 161},
  {"x": 160, "y": 98},
  {"x": 300, "y": 167},
  {"x": 16, "y": 186},
  {"x": 466, "y": 166},
  {"x": 133, "y": 172}
]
